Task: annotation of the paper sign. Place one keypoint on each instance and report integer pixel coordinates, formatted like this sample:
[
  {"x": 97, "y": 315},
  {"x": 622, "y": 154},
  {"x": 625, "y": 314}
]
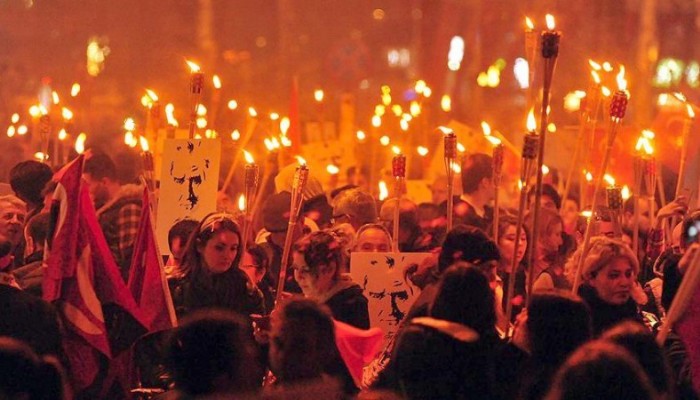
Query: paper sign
[
  {"x": 389, "y": 292},
  {"x": 188, "y": 183}
]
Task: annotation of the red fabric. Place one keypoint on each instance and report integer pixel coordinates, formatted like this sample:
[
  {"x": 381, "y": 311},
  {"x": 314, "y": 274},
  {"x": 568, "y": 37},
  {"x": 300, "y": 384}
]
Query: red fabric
[
  {"x": 82, "y": 277},
  {"x": 688, "y": 327},
  {"x": 147, "y": 278},
  {"x": 357, "y": 347},
  {"x": 294, "y": 132}
]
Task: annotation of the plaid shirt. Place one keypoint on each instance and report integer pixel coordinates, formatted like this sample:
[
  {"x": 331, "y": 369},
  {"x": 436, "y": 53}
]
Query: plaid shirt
[{"x": 128, "y": 228}]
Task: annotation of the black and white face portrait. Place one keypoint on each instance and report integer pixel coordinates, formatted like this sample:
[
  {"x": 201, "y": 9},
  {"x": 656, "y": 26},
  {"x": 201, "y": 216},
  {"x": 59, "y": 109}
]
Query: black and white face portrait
[{"x": 189, "y": 171}]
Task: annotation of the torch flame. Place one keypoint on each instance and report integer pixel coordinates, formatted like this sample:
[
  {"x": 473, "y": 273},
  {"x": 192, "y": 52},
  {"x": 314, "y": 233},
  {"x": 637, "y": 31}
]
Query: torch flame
[
  {"x": 152, "y": 94},
  {"x": 285, "y": 123},
  {"x": 361, "y": 135},
  {"x": 606, "y": 92},
  {"x": 680, "y": 96},
  {"x": 486, "y": 128},
  {"x": 531, "y": 122},
  {"x": 193, "y": 67},
  {"x": 589, "y": 176},
  {"x": 494, "y": 140},
  {"x": 609, "y": 179},
  {"x": 625, "y": 192},
  {"x": 384, "y": 140},
  {"x": 80, "y": 143},
  {"x": 383, "y": 190},
  {"x": 241, "y": 203},
  {"x": 216, "y": 81},
  {"x": 54, "y": 97},
  {"x": 318, "y": 95},
  {"x": 446, "y": 103},
  {"x": 232, "y": 104},
  {"x": 169, "y": 114},
  {"x": 550, "y": 22},
  {"x": 596, "y": 77},
  {"x": 621, "y": 81},
  {"x": 445, "y": 130},
  {"x": 689, "y": 109},
  {"x": 67, "y": 114},
  {"x": 528, "y": 24},
  {"x": 62, "y": 135},
  {"x": 396, "y": 150},
  {"x": 144, "y": 144},
  {"x": 649, "y": 134},
  {"x": 248, "y": 157},
  {"x": 607, "y": 67},
  {"x": 128, "y": 138},
  {"x": 129, "y": 124},
  {"x": 461, "y": 148},
  {"x": 34, "y": 111},
  {"x": 422, "y": 151},
  {"x": 545, "y": 169},
  {"x": 43, "y": 110},
  {"x": 332, "y": 169},
  {"x": 594, "y": 65},
  {"x": 75, "y": 89},
  {"x": 252, "y": 112},
  {"x": 300, "y": 160}
]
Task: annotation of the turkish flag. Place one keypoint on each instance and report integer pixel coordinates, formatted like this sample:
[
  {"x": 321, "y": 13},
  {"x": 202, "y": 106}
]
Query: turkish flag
[
  {"x": 147, "y": 281},
  {"x": 100, "y": 316}
]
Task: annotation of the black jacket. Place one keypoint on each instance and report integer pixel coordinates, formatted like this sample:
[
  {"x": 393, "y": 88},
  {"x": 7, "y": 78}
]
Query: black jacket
[
  {"x": 605, "y": 315},
  {"x": 350, "y": 306}
]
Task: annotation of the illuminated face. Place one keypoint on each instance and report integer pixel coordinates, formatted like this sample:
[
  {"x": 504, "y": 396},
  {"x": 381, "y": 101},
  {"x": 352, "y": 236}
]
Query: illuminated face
[
  {"x": 219, "y": 252},
  {"x": 373, "y": 240},
  {"x": 11, "y": 222},
  {"x": 552, "y": 240},
  {"x": 614, "y": 281},
  {"x": 312, "y": 286},
  {"x": 506, "y": 245}
]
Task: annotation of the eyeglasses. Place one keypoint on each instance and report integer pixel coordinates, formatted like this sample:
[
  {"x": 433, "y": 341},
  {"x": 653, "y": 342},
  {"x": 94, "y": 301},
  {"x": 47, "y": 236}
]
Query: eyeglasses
[{"x": 335, "y": 219}]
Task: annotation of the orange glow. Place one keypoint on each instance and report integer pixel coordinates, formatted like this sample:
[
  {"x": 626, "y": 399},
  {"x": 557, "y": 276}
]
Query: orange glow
[
  {"x": 594, "y": 65},
  {"x": 62, "y": 135},
  {"x": 67, "y": 114},
  {"x": 235, "y": 135},
  {"x": 596, "y": 77},
  {"x": 494, "y": 140},
  {"x": 80, "y": 143},
  {"x": 689, "y": 109},
  {"x": 300, "y": 160},
  {"x": 241, "y": 203},
  {"x": 383, "y": 190},
  {"x": 54, "y": 97},
  {"x": 396, "y": 150},
  {"x": 609, "y": 179},
  {"x": 361, "y": 135},
  {"x": 75, "y": 89},
  {"x": 422, "y": 151},
  {"x": 252, "y": 112},
  {"x": 216, "y": 81},
  {"x": 332, "y": 169},
  {"x": 285, "y": 123},
  {"x": 318, "y": 95},
  {"x": 152, "y": 94}
]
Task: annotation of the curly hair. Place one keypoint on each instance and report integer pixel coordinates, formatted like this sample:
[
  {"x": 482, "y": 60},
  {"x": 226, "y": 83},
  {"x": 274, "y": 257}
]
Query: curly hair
[{"x": 321, "y": 248}]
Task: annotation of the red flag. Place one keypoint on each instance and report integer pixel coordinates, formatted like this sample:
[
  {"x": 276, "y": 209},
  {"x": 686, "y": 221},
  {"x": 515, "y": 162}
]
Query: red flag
[
  {"x": 100, "y": 316},
  {"x": 147, "y": 280},
  {"x": 357, "y": 347},
  {"x": 294, "y": 132}
]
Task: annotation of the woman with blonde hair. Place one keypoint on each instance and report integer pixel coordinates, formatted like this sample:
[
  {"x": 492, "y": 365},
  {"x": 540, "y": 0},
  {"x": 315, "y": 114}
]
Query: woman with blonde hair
[{"x": 609, "y": 279}]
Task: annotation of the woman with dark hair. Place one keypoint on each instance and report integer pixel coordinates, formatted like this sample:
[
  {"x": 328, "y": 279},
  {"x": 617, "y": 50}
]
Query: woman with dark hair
[
  {"x": 601, "y": 370},
  {"x": 256, "y": 264},
  {"x": 608, "y": 276},
  {"x": 318, "y": 259},
  {"x": 549, "y": 265},
  {"x": 450, "y": 353},
  {"x": 213, "y": 353},
  {"x": 639, "y": 341},
  {"x": 303, "y": 348},
  {"x": 554, "y": 325},
  {"x": 507, "y": 228},
  {"x": 209, "y": 276}
]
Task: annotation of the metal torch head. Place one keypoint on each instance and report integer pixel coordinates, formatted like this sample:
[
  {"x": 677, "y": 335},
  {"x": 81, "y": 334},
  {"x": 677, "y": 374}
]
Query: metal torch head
[
  {"x": 618, "y": 105},
  {"x": 530, "y": 146},
  {"x": 614, "y": 197},
  {"x": 451, "y": 145},
  {"x": 252, "y": 173},
  {"x": 197, "y": 82},
  {"x": 398, "y": 166},
  {"x": 550, "y": 44},
  {"x": 498, "y": 160}
]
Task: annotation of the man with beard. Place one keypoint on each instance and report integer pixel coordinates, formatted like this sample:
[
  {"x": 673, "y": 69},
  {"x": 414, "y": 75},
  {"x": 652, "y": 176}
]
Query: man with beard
[{"x": 118, "y": 207}]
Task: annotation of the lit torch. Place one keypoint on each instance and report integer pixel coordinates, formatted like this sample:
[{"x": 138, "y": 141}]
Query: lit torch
[
  {"x": 301, "y": 176},
  {"x": 252, "y": 175},
  {"x": 618, "y": 108},
  {"x": 398, "y": 170},
  {"x": 148, "y": 164},
  {"x": 196, "y": 85},
  {"x": 450, "y": 161}
]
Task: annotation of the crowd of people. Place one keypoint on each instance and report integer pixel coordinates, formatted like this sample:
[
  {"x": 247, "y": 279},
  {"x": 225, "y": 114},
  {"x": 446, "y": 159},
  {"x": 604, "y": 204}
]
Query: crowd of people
[{"x": 237, "y": 337}]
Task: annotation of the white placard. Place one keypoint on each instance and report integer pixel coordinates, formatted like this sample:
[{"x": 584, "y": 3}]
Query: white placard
[
  {"x": 188, "y": 183},
  {"x": 389, "y": 292}
]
